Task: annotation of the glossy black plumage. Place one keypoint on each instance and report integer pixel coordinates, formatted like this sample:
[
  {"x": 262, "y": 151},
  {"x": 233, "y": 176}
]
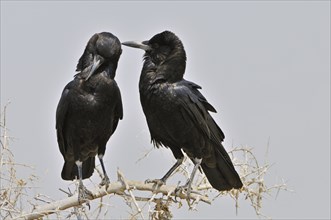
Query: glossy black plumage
[
  {"x": 90, "y": 108},
  {"x": 177, "y": 113}
]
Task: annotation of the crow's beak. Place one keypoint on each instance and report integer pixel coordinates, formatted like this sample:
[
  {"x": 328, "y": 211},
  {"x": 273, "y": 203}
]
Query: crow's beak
[
  {"x": 141, "y": 45},
  {"x": 95, "y": 65}
]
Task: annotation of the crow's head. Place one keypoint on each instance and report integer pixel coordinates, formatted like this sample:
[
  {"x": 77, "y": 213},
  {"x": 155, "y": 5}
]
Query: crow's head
[
  {"x": 102, "y": 50},
  {"x": 165, "y": 51}
]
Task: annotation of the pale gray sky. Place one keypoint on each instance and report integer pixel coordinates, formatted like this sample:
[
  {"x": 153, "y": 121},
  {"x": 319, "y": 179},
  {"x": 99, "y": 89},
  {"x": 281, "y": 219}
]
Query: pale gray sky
[{"x": 265, "y": 66}]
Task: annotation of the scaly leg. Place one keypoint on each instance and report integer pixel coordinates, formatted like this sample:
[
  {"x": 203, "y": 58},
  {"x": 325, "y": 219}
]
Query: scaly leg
[
  {"x": 105, "y": 179},
  {"x": 82, "y": 191},
  {"x": 163, "y": 180},
  {"x": 187, "y": 186}
]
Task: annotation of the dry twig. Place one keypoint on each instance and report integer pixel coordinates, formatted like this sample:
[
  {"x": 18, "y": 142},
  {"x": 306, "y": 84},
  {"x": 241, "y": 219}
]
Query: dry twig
[{"x": 159, "y": 199}]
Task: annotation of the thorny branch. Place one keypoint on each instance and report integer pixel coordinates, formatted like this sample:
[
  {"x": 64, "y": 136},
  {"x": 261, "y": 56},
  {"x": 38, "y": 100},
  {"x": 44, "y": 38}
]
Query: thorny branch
[
  {"x": 158, "y": 201},
  {"x": 114, "y": 188}
]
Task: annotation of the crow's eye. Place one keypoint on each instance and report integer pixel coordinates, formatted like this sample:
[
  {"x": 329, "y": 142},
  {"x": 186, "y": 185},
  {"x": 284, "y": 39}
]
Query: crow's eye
[{"x": 155, "y": 45}]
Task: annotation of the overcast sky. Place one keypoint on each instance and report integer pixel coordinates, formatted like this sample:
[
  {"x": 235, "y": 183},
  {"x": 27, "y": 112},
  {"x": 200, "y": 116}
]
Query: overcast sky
[{"x": 265, "y": 66}]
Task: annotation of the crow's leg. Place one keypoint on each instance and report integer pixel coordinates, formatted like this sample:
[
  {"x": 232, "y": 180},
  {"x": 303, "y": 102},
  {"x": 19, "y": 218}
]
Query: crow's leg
[
  {"x": 187, "y": 186},
  {"x": 82, "y": 191},
  {"x": 105, "y": 179},
  {"x": 168, "y": 174}
]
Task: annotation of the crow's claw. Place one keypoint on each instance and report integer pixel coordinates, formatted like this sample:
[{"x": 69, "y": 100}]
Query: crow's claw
[
  {"x": 105, "y": 182},
  {"x": 183, "y": 189},
  {"x": 83, "y": 195},
  {"x": 158, "y": 182}
]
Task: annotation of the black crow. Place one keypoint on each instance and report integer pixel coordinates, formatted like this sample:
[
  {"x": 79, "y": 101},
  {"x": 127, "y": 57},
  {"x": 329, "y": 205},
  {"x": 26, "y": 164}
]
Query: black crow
[
  {"x": 89, "y": 110},
  {"x": 177, "y": 113}
]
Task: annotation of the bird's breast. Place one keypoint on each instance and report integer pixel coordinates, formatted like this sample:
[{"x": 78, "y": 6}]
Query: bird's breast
[
  {"x": 99, "y": 92},
  {"x": 162, "y": 108},
  {"x": 159, "y": 98}
]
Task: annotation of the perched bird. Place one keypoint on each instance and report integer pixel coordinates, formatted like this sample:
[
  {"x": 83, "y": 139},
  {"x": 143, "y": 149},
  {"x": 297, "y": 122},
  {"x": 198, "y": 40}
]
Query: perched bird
[
  {"x": 89, "y": 110},
  {"x": 177, "y": 113}
]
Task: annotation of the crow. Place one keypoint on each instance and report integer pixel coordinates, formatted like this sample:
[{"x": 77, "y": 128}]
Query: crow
[
  {"x": 177, "y": 113},
  {"x": 89, "y": 110}
]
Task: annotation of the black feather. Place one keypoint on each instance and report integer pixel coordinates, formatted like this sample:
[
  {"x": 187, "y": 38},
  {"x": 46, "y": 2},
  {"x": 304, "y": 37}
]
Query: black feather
[
  {"x": 90, "y": 108},
  {"x": 177, "y": 113}
]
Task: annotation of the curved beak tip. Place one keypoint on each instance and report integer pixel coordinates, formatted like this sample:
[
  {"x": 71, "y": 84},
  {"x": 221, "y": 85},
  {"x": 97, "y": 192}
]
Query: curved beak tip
[
  {"x": 135, "y": 44},
  {"x": 95, "y": 65}
]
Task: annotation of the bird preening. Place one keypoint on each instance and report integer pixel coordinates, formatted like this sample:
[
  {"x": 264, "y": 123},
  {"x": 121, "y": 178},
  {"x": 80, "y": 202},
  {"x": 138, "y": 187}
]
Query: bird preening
[
  {"x": 176, "y": 112},
  {"x": 89, "y": 110}
]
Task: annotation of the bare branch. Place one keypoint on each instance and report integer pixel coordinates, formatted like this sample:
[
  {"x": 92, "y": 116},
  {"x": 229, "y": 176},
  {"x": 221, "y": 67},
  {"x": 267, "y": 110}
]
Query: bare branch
[
  {"x": 15, "y": 192},
  {"x": 116, "y": 188}
]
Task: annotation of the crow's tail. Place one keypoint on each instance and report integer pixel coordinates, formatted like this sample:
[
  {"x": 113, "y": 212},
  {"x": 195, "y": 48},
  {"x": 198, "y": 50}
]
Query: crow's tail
[
  {"x": 220, "y": 171},
  {"x": 70, "y": 170}
]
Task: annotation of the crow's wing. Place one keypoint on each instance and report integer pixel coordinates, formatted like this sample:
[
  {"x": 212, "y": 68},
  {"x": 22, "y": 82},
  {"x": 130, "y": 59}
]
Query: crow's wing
[
  {"x": 118, "y": 108},
  {"x": 194, "y": 109},
  {"x": 61, "y": 113}
]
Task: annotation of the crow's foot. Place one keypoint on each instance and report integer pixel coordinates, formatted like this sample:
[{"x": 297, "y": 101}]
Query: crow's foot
[
  {"x": 158, "y": 182},
  {"x": 105, "y": 182},
  {"x": 84, "y": 195},
  {"x": 185, "y": 190}
]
